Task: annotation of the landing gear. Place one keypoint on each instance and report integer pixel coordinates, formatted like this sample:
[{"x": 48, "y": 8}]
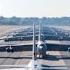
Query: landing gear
[
  {"x": 40, "y": 55},
  {"x": 9, "y": 49},
  {"x": 44, "y": 55},
  {"x": 35, "y": 55},
  {"x": 69, "y": 49}
]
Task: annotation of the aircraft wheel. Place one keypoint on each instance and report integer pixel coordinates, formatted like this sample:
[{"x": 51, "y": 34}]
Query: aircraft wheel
[
  {"x": 9, "y": 49},
  {"x": 12, "y": 50},
  {"x": 44, "y": 55}
]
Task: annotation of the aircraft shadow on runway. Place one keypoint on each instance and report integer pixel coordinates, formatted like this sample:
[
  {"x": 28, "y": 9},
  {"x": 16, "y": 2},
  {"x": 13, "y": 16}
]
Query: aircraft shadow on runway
[
  {"x": 17, "y": 48},
  {"x": 47, "y": 67},
  {"x": 16, "y": 57},
  {"x": 55, "y": 57}
]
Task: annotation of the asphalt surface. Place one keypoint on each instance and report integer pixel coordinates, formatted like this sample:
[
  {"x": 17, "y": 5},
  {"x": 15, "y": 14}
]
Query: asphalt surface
[
  {"x": 54, "y": 60},
  {"x": 66, "y": 58},
  {"x": 15, "y": 58}
]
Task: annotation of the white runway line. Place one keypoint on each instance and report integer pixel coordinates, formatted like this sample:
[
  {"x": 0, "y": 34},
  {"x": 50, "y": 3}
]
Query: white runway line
[
  {"x": 30, "y": 65},
  {"x": 56, "y": 63},
  {"x": 14, "y": 69}
]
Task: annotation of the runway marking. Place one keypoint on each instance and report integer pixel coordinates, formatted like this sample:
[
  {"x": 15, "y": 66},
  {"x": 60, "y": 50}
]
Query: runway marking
[
  {"x": 30, "y": 65},
  {"x": 59, "y": 62},
  {"x": 4, "y": 55},
  {"x": 24, "y": 60}
]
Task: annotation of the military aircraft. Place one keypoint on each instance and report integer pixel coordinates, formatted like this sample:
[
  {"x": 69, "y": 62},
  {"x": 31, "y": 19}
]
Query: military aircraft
[{"x": 40, "y": 48}]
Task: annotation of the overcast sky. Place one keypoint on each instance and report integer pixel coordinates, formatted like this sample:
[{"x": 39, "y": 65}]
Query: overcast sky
[{"x": 35, "y": 8}]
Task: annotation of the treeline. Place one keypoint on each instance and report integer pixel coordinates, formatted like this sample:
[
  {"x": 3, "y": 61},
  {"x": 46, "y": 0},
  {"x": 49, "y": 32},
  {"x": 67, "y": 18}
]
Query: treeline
[{"x": 29, "y": 21}]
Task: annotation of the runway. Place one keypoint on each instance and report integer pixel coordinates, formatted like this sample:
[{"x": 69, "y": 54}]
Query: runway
[
  {"x": 21, "y": 58},
  {"x": 66, "y": 58},
  {"x": 58, "y": 61},
  {"x": 16, "y": 58}
]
